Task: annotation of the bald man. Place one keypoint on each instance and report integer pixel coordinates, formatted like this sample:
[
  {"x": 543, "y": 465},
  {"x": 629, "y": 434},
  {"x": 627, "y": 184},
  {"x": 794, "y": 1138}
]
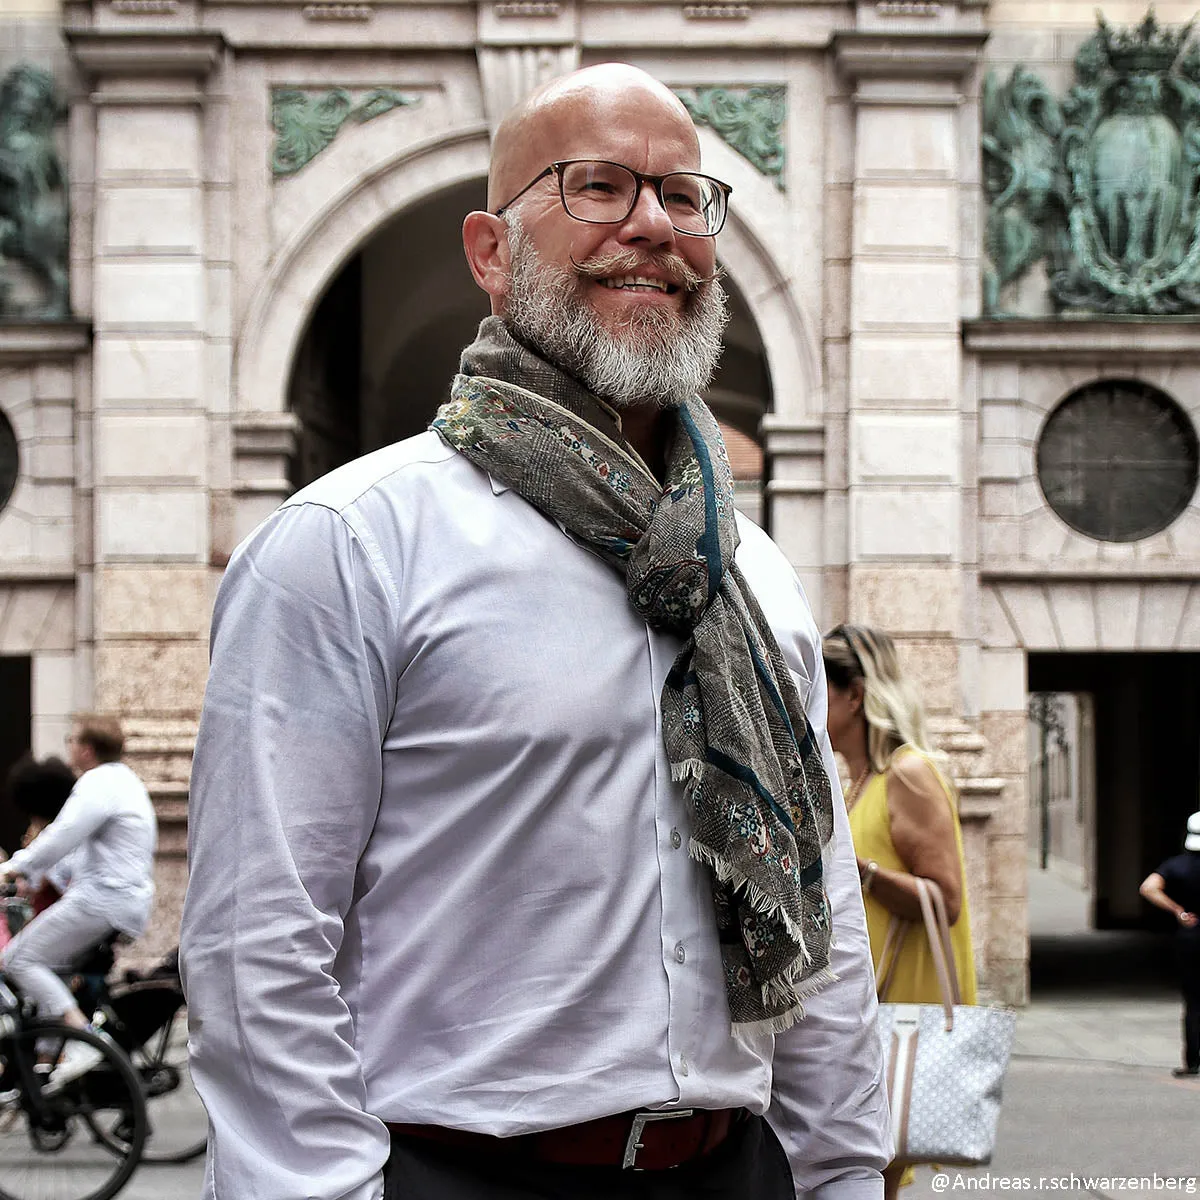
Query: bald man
[{"x": 519, "y": 863}]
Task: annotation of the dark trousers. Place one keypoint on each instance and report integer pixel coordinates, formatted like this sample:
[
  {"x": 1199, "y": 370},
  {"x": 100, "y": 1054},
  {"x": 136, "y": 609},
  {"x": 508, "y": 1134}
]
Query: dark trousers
[
  {"x": 1188, "y": 950},
  {"x": 749, "y": 1165}
]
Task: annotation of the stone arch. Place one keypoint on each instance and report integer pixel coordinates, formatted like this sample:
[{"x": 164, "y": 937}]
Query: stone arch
[
  {"x": 283, "y": 302},
  {"x": 758, "y": 219}
]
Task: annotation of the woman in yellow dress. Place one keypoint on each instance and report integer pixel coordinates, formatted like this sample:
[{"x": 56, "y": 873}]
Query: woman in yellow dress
[{"x": 903, "y": 814}]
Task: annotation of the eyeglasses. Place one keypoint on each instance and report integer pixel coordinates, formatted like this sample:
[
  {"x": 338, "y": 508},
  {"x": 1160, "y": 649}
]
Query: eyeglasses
[{"x": 604, "y": 193}]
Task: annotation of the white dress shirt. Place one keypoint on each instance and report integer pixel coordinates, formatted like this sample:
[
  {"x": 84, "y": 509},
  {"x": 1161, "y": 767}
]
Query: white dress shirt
[
  {"x": 108, "y": 830},
  {"x": 439, "y": 871}
]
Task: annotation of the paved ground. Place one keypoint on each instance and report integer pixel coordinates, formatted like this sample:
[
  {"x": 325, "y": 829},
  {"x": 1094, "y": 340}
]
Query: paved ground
[{"x": 1089, "y": 1093}]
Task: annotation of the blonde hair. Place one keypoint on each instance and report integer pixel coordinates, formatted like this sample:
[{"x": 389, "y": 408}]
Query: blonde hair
[{"x": 894, "y": 713}]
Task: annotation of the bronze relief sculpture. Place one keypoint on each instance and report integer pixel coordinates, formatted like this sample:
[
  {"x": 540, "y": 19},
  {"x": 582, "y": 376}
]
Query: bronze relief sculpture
[{"x": 33, "y": 198}]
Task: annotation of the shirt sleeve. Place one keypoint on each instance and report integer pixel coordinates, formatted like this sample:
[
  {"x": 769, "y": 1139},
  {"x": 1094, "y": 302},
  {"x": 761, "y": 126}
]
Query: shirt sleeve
[
  {"x": 285, "y": 790},
  {"x": 828, "y": 1103},
  {"x": 85, "y": 811},
  {"x": 1172, "y": 876}
]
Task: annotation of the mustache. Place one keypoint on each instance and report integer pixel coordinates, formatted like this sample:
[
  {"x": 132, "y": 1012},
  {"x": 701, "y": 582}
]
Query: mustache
[{"x": 674, "y": 267}]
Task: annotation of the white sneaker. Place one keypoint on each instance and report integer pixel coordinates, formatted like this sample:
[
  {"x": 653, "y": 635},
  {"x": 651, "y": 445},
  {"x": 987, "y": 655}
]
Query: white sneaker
[{"x": 76, "y": 1060}]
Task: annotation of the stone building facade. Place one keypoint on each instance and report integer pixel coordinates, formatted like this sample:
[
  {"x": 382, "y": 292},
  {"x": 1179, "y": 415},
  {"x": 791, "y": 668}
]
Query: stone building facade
[{"x": 265, "y": 279}]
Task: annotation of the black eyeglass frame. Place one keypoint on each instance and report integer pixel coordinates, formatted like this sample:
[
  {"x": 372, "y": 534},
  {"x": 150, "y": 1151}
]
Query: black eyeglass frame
[{"x": 640, "y": 177}]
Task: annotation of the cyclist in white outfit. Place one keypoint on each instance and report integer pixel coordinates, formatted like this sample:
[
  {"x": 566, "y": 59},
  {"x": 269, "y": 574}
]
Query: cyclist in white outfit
[{"x": 108, "y": 828}]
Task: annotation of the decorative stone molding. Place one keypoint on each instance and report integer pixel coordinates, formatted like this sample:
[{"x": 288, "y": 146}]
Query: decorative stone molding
[
  {"x": 908, "y": 8},
  {"x": 338, "y": 12},
  {"x": 796, "y": 450},
  {"x": 31, "y": 343},
  {"x": 509, "y": 73},
  {"x": 902, "y": 55},
  {"x": 750, "y": 119},
  {"x": 797, "y": 439},
  {"x": 160, "y": 751},
  {"x": 306, "y": 122},
  {"x": 1114, "y": 339},
  {"x": 145, "y": 54},
  {"x": 262, "y": 444},
  {"x": 1089, "y": 573},
  {"x": 526, "y": 8},
  {"x": 1147, "y": 615},
  {"x": 716, "y": 12},
  {"x": 145, "y": 8}
]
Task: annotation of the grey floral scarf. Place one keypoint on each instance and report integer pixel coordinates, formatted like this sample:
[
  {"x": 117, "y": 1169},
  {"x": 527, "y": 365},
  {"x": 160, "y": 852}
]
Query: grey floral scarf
[{"x": 733, "y": 724}]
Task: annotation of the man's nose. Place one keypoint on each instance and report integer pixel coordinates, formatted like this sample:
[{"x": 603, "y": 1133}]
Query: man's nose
[{"x": 648, "y": 220}]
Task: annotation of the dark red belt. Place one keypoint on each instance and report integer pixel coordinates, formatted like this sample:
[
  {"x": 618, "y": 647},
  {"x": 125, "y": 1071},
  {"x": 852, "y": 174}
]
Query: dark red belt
[{"x": 643, "y": 1141}]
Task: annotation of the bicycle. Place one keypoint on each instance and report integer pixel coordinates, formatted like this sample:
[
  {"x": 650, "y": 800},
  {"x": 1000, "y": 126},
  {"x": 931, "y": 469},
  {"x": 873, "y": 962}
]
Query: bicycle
[
  {"x": 49, "y": 1148},
  {"x": 146, "y": 1015}
]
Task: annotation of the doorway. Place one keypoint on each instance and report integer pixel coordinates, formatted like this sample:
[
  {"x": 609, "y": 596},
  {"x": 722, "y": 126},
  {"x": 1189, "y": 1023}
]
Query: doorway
[
  {"x": 1141, "y": 768},
  {"x": 383, "y": 343},
  {"x": 16, "y": 735}
]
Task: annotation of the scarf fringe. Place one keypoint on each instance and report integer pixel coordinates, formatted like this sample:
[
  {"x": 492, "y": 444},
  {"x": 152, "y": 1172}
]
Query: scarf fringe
[
  {"x": 759, "y": 900},
  {"x": 783, "y": 1021},
  {"x": 689, "y": 771}
]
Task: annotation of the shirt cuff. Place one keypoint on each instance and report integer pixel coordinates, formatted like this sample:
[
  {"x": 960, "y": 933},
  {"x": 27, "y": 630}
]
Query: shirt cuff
[{"x": 868, "y": 1187}]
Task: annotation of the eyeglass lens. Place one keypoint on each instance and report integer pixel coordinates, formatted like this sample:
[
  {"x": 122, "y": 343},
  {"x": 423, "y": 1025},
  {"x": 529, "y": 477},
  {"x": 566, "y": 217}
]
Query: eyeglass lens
[{"x": 604, "y": 192}]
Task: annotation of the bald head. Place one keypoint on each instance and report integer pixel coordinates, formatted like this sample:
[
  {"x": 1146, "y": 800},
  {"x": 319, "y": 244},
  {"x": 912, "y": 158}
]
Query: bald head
[{"x": 587, "y": 114}]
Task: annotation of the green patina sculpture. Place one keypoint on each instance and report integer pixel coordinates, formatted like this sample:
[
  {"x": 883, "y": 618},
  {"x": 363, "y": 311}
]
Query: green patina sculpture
[
  {"x": 1103, "y": 188},
  {"x": 33, "y": 198},
  {"x": 305, "y": 123},
  {"x": 748, "y": 119},
  {"x": 1022, "y": 123}
]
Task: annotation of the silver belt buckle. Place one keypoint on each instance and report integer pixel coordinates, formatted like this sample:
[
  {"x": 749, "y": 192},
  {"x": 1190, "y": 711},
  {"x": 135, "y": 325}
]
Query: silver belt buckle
[{"x": 633, "y": 1143}]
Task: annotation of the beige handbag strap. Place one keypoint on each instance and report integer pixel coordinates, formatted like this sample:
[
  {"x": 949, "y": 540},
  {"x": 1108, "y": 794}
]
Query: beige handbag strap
[
  {"x": 937, "y": 930},
  {"x": 943, "y": 925}
]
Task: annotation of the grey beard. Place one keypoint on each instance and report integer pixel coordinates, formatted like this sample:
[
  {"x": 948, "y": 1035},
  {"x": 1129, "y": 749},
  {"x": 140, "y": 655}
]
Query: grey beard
[{"x": 656, "y": 357}]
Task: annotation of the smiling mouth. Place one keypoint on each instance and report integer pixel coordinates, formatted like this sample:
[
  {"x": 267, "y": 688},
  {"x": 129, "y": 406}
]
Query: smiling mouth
[{"x": 638, "y": 283}]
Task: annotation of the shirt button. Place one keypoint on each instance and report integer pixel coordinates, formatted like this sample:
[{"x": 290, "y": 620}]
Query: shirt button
[
  {"x": 680, "y": 952},
  {"x": 676, "y": 839},
  {"x": 683, "y": 1065}
]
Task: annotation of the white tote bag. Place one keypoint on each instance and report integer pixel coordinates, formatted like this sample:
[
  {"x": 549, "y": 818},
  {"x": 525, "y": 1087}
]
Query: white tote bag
[{"x": 945, "y": 1062}]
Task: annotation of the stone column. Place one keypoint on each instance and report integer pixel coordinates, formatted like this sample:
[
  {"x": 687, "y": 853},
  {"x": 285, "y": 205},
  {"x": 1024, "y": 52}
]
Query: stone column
[
  {"x": 912, "y": 420},
  {"x": 795, "y": 498},
  {"x": 908, "y": 500},
  {"x": 156, "y": 300}
]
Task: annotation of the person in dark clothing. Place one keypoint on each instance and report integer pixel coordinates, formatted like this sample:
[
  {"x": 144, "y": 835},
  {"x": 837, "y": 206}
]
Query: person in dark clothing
[
  {"x": 39, "y": 789},
  {"x": 1175, "y": 888}
]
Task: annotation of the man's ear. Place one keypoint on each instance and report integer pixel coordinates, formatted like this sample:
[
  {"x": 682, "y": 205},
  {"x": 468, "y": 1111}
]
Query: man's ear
[{"x": 485, "y": 240}]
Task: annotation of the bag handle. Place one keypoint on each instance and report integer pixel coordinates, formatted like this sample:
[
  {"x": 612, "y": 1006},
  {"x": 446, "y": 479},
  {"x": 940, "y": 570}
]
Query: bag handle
[{"x": 937, "y": 930}]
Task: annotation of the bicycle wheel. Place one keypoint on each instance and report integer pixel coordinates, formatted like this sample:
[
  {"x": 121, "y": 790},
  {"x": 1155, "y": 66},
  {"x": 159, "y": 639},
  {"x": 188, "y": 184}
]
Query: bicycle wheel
[
  {"x": 47, "y": 1150},
  {"x": 152, "y": 1016}
]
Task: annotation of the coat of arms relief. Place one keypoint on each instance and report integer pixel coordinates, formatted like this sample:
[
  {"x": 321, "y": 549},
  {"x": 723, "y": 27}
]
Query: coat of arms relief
[{"x": 1100, "y": 189}]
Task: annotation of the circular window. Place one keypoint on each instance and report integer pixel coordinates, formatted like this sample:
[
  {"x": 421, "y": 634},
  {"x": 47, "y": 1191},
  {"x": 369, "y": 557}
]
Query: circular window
[
  {"x": 8, "y": 461},
  {"x": 1118, "y": 460}
]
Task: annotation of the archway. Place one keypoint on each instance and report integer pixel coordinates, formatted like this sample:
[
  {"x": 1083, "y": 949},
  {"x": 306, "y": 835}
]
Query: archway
[{"x": 384, "y": 339}]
